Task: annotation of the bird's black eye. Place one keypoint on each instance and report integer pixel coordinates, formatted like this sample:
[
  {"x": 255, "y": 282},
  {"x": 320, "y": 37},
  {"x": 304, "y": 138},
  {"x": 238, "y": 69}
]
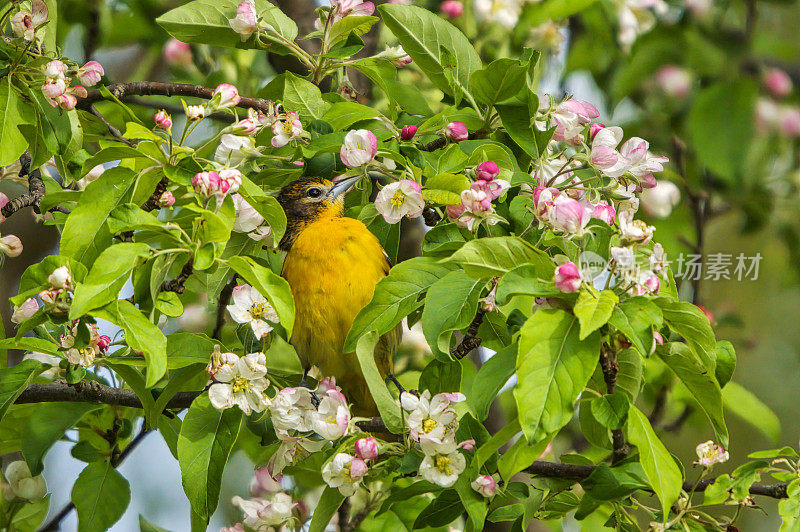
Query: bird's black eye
[{"x": 314, "y": 192}]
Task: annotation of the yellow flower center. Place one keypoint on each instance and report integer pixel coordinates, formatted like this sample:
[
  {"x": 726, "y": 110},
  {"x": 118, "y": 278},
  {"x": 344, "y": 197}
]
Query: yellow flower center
[
  {"x": 240, "y": 385},
  {"x": 397, "y": 199},
  {"x": 287, "y": 126},
  {"x": 258, "y": 310},
  {"x": 428, "y": 425},
  {"x": 443, "y": 464}
]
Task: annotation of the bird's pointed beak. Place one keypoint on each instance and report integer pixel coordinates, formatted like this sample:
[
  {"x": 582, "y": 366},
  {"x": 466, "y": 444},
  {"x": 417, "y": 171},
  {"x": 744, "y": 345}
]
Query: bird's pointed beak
[{"x": 343, "y": 186}]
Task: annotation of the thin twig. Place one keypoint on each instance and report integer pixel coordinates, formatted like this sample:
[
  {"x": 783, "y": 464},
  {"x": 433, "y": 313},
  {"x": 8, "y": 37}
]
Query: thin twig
[
  {"x": 116, "y": 133},
  {"x": 442, "y": 141},
  {"x": 224, "y": 299},
  {"x": 610, "y": 367}
]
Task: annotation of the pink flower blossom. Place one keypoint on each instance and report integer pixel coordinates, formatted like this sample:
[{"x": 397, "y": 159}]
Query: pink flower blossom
[
  {"x": 452, "y": 8},
  {"x": 206, "y": 183},
  {"x": 674, "y": 81},
  {"x": 398, "y": 199},
  {"x": 90, "y": 73},
  {"x": 356, "y": 8},
  {"x": 178, "y": 53},
  {"x": 456, "y": 131},
  {"x": 778, "y": 82},
  {"x": 568, "y": 278},
  {"x": 360, "y": 147},
  {"x": 367, "y": 448},
  {"x": 604, "y": 211},
  {"x": 408, "y": 132},
  {"x": 246, "y": 21},
  {"x": 485, "y": 485},
  {"x": 570, "y": 117},
  {"x": 789, "y": 122},
  {"x": 487, "y": 170},
  {"x": 225, "y": 96},
  {"x": 285, "y": 131},
  {"x": 103, "y": 342},
  {"x": 166, "y": 199},
  {"x": 55, "y": 70},
  {"x": 162, "y": 120},
  {"x": 568, "y": 215}
]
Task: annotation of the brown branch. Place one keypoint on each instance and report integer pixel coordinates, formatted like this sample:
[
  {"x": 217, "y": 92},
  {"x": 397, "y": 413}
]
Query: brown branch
[
  {"x": 177, "y": 284},
  {"x": 222, "y": 302},
  {"x": 116, "y": 133},
  {"x": 157, "y": 88},
  {"x": 470, "y": 340},
  {"x": 152, "y": 202},
  {"x": 94, "y": 392},
  {"x": 581, "y": 472},
  {"x": 443, "y": 141},
  {"x": 610, "y": 367}
]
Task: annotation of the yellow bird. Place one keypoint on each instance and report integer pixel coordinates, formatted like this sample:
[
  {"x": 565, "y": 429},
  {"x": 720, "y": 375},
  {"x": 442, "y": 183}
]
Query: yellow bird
[{"x": 332, "y": 266}]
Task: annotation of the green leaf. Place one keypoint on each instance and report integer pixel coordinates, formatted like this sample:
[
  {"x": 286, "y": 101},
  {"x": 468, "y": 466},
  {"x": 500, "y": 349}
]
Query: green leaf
[
  {"x": 342, "y": 115},
  {"x": 541, "y": 12},
  {"x": 329, "y": 502},
  {"x": 487, "y": 257},
  {"x": 12, "y": 142},
  {"x": 723, "y": 154},
  {"x": 29, "y": 343},
  {"x": 106, "y": 278},
  {"x": 611, "y": 410},
  {"x": 553, "y": 367},
  {"x": 15, "y": 379},
  {"x": 449, "y": 306},
  {"x": 206, "y": 439},
  {"x": 169, "y": 303},
  {"x": 207, "y": 22},
  {"x": 498, "y": 81},
  {"x": 491, "y": 377},
  {"x": 629, "y": 376},
  {"x": 147, "y": 526},
  {"x": 101, "y": 495},
  {"x": 443, "y": 510},
  {"x": 296, "y": 94},
  {"x": 692, "y": 324},
  {"x": 635, "y": 318},
  {"x": 268, "y": 284},
  {"x": 521, "y": 455},
  {"x": 130, "y": 217},
  {"x": 702, "y": 384},
  {"x": 662, "y": 472},
  {"x": 85, "y": 234},
  {"x": 140, "y": 334},
  {"x": 266, "y": 206},
  {"x": 608, "y": 483},
  {"x": 423, "y": 35},
  {"x": 726, "y": 362},
  {"x": 524, "y": 280},
  {"x": 441, "y": 377},
  {"x": 395, "y": 297},
  {"x": 46, "y": 426},
  {"x": 387, "y": 406},
  {"x": 516, "y": 121},
  {"x": 746, "y": 406},
  {"x": 593, "y": 310},
  {"x": 342, "y": 28},
  {"x": 455, "y": 183},
  {"x": 112, "y": 153}
]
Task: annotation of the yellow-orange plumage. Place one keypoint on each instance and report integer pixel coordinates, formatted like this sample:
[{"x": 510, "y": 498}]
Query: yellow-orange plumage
[{"x": 332, "y": 265}]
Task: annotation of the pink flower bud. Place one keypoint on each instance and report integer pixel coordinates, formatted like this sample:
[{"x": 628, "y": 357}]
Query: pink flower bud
[
  {"x": 55, "y": 70},
  {"x": 674, "y": 81},
  {"x": 568, "y": 278},
  {"x": 789, "y": 122},
  {"x": 708, "y": 314},
  {"x": 408, "y": 132},
  {"x": 90, "y": 73},
  {"x": 66, "y": 102},
  {"x": 485, "y": 485},
  {"x": 166, "y": 199},
  {"x": 604, "y": 211},
  {"x": 177, "y": 53},
  {"x": 230, "y": 180},
  {"x": 206, "y": 183},
  {"x": 25, "y": 311},
  {"x": 3, "y": 202},
  {"x": 568, "y": 215},
  {"x": 367, "y": 448},
  {"x": 103, "y": 342},
  {"x": 11, "y": 246},
  {"x": 487, "y": 170},
  {"x": 225, "y": 96},
  {"x": 777, "y": 82},
  {"x": 657, "y": 338},
  {"x": 358, "y": 468},
  {"x": 467, "y": 445},
  {"x": 452, "y": 8},
  {"x": 456, "y": 131},
  {"x": 594, "y": 129},
  {"x": 162, "y": 120}
]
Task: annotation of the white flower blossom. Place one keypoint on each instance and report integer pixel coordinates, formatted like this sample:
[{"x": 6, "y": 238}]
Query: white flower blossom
[
  {"x": 344, "y": 472},
  {"x": 241, "y": 384},
  {"x": 249, "y": 306},
  {"x": 292, "y": 409},
  {"x": 398, "y": 199},
  {"x": 444, "y": 465},
  {"x": 262, "y": 514},
  {"x": 332, "y": 416}
]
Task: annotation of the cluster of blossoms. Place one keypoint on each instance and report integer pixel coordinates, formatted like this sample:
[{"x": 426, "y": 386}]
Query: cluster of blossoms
[
  {"x": 84, "y": 355},
  {"x": 773, "y": 116},
  {"x": 56, "y": 298},
  {"x": 238, "y": 381},
  {"x": 217, "y": 184},
  {"x": 57, "y": 89},
  {"x": 26, "y": 24},
  {"x": 268, "y": 506},
  {"x": 476, "y": 201},
  {"x": 432, "y": 423}
]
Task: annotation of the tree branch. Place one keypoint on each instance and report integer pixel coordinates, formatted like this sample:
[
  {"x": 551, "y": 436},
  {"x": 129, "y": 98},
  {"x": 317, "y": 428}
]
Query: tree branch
[
  {"x": 610, "y": 369},
  {"x": 177, "y": 284},
  {"x": 442, "y": 141},
  {"x": 470, "y": 340},
  {"x": 157, "y": 88},
  {"x": 35, "y": 189},
  {"x": 224, "y": 299}
]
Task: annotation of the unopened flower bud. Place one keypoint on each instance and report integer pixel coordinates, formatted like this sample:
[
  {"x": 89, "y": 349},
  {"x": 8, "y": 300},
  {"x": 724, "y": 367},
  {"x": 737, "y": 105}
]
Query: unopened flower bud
[
  {"x": 487, "y": 170},
  {"x": 568, "y": 278},
  {"x": 103, "y": 342},
  {"x": 485, "y": 485},
  {"x": 55, "y": 70},
  {"x": 206, "y": 183},
  {"x": 457, "y": 131},
  {"x": 60, "y": 278},
  {"x": 452, "y": 8},
  {"x": 195, "y": 112},
  {"x": 778, "y": 82},
  {"x": 225, "y": 96},
  {"x": 23, "y": 312},
  {"x": 90, "y": 73},
  {"x": 162, "y": 120},
  {"x": 467, "y": 445},
  {"x": 167, "y": 199},
  {"x": 367, "y": 448},
  {"x": 594, "y": 129},
  {"x": 178, "y": 53},
  {"x": 674, "y": 81},
  {"x": 408, "y": 132},
  {"x": 358, "y": 468},
  {"x": 11, "y": 245}
]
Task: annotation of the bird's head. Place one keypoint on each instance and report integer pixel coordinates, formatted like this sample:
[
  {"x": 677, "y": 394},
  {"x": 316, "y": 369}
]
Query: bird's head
[{"x": 309, "y": 199}]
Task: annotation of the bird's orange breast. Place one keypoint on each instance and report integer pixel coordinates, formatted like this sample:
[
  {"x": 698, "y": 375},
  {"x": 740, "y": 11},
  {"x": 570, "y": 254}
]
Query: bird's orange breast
[{"x": 332, "y": 268}]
